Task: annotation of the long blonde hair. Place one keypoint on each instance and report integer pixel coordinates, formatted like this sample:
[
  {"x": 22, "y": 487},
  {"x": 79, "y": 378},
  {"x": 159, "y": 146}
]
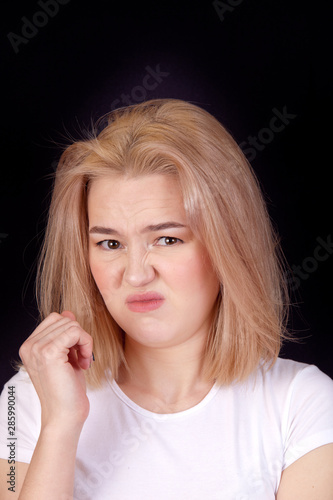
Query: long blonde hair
[{"x": 224, "y": 206}]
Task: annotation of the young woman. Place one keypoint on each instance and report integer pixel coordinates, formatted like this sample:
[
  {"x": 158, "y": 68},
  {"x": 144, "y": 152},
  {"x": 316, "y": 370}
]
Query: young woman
[{"x": 160, "y": 258}]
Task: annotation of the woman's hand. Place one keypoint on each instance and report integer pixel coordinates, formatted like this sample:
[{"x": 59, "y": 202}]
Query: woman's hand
[{"x": 55, "y": 355}]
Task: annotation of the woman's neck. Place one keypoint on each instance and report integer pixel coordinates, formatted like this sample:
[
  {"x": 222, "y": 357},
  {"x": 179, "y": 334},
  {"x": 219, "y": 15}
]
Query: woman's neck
[{"x": 164, "y": 380}]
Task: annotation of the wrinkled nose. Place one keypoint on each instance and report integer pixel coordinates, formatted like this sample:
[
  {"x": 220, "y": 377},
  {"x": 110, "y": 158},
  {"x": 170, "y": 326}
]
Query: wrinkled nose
[{"x": 138, "y": 271}]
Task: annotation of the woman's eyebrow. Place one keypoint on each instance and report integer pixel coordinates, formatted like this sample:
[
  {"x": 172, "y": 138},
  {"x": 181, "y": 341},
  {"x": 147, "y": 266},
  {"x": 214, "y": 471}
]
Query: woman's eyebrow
[
  {"x": 151, "y": 228},
  {"x": 162, "y": 226},
  {"x": 103, "y": 230}
]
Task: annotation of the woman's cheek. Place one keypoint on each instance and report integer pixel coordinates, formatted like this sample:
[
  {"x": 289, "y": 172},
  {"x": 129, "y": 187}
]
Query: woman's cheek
[{"x": 100, "y": 273}]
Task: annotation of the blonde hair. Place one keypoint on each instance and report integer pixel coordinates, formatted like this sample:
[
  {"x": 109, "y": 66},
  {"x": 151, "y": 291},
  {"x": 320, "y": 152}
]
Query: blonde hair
[{"x": 224, "y": 206}]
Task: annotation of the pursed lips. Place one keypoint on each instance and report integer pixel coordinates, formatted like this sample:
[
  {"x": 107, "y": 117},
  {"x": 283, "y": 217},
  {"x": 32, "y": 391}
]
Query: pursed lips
[{"x": 144, "y": 302}]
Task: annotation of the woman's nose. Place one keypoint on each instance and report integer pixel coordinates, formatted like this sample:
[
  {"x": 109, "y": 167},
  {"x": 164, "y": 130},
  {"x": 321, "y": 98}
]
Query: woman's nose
[{"x": 138, "y": 271}]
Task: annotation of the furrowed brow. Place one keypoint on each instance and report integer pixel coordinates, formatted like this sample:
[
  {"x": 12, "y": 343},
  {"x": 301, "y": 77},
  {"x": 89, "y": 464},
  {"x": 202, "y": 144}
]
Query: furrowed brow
[
  {"x": 103, "y": 230},
  {"x": 163, "y": 226},
  {"x": 151, "y": 228}
]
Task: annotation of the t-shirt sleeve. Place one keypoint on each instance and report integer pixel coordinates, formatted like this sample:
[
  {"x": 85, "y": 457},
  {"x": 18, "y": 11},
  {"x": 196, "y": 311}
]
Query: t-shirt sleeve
[
  {"x": 19, "y": 435},
  {"x": 308, "y": 421}
]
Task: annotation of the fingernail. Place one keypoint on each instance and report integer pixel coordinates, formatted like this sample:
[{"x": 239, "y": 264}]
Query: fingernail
[{"x": 92, "y": 358}]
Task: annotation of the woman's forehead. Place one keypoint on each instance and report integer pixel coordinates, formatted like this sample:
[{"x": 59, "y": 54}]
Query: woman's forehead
[{"x": 139, "y": 199}]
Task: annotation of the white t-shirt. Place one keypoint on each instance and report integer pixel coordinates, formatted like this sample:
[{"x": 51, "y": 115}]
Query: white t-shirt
[{"x": 233, "y": 445}]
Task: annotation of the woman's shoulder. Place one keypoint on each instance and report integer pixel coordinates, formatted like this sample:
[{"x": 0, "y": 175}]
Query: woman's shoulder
[
  {"x": 20, "y": 390},
  {"x": 289, "y": 383},
  {"x": 287, "y": 371},
  {"x": 19, "y": 379},
  {"x": 302, "y": 392}
]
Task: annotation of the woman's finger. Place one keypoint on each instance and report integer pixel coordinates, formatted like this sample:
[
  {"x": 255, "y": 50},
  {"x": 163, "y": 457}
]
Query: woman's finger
[
  {"x": 68, "y": 314},
  {"x": 49, "y": 323},
  {"x": 54, "y": 343}
]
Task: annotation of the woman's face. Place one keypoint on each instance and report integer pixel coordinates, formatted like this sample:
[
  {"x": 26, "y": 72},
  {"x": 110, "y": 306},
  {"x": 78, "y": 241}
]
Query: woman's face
[{"x": 154, "y": 275}]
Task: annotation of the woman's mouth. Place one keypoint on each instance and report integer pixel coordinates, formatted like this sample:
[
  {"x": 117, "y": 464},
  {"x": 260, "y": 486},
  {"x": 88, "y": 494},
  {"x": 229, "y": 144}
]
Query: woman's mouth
[{"x": 144, "y": 302}]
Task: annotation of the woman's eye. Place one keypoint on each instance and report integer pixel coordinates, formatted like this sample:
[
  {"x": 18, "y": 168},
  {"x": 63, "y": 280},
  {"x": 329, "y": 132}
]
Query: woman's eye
[
  {"x": 109, "y": 244},
  {"x": 168, "y": 241}
]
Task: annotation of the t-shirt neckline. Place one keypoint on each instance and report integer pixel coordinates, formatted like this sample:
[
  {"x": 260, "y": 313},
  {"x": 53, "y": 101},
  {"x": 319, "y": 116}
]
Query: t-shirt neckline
[{"x": 163, "y": 416}]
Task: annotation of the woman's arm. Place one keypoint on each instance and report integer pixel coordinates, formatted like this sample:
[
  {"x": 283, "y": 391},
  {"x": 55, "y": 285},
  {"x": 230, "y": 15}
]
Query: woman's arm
[
  {"x": 310, "y": 477},
  {"x": 51, "y": 472},
  {"x": 50, "y": 475},
  {"x": 11, "y": 490},
  {"x": 55, "y": 356}
]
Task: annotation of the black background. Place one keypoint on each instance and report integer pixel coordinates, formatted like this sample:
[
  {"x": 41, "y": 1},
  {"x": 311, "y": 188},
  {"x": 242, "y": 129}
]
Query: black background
[{"x": 239, "y": 62}]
